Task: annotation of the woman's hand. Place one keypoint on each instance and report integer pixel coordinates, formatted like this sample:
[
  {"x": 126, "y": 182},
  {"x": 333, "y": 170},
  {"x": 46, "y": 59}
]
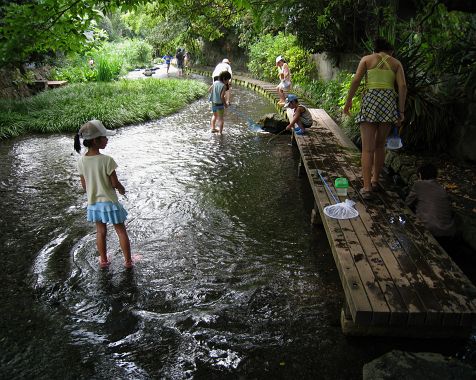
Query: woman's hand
[{"x": 348, "y": 107}]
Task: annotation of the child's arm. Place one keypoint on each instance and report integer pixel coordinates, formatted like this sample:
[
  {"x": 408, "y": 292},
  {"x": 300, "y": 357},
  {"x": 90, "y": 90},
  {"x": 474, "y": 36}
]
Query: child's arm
[
  {"x": 295, "y": 118},
  {"x": 222, "y": 96},
  {"x": 116, "y": 184},
  {"x": 83, "y": 182}
]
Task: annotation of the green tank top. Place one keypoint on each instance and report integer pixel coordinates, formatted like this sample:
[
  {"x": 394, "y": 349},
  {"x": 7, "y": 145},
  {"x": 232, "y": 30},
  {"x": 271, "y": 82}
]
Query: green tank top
[{"x": 379, "y": 77}]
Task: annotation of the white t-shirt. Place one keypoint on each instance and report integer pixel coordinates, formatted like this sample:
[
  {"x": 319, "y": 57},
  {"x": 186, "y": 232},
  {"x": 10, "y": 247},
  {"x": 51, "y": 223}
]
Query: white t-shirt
[
  {"x": 220, "y": 68},
  {"x": 96, "y": 171}
]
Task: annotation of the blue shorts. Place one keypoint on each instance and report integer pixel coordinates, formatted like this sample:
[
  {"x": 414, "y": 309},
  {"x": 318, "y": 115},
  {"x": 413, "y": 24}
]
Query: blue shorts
[
  {"x": 220, "y": 108},
  {"x": 107, "y": 212}
]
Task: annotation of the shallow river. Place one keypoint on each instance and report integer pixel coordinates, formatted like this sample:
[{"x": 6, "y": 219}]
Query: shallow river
[{"x": 230, "y": 280}]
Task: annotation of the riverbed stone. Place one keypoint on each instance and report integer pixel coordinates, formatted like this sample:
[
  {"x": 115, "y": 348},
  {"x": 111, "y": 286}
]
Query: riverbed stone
[
  {"x": 422, "y": 365},
  {"x": 273, "y": 122}
]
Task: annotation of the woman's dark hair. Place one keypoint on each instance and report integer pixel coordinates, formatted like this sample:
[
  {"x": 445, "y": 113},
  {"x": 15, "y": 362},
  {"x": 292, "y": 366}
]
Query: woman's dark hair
[
  {"x": 381, "y": 44},
  {"x": 224, "y": 75},
  {"x": 428, "y": 171}
]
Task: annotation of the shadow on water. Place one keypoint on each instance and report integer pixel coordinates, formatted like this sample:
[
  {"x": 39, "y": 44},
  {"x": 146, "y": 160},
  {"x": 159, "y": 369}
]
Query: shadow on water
[{"x": 231, "y": 281}]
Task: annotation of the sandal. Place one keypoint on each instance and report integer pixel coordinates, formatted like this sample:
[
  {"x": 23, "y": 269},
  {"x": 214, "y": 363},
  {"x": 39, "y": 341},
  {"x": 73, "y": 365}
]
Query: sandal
[
  {"x": 375, "y": 186},
  {"x": 365, "y": 194}
]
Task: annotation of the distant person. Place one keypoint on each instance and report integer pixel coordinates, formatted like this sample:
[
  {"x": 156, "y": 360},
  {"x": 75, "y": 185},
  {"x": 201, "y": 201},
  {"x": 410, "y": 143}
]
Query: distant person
[
  {"x": 179, "y": 56},
  {"x": 284, "y": 79},
  {"x": 431, "y": 204},
  {"x": 97, "y": 173},
  {"x": 302, "y": 118},
  {"x": 219, "y": 103},
  {"x": 187, "y": 61},
  {"x": 224, "y": 65},
  {"x": 380, "y": 108},
  {"x": 167, "y": 58}
]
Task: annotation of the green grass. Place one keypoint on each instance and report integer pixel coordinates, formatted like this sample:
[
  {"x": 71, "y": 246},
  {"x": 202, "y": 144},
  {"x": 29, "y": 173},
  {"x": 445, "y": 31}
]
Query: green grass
[{"x": 114, "y": 103}]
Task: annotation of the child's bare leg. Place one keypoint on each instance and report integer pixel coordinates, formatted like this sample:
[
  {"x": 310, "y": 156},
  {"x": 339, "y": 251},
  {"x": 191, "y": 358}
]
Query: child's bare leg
[
  {"x": 101, "y": 233},
  {"x": 124, "y": 242},
  {"x": 221, "y": 121},
  {"x": 213, "y": 121}
]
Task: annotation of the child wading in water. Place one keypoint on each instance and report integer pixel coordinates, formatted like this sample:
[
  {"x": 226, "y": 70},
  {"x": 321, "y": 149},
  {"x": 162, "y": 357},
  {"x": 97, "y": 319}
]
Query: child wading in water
[
  {"x": 98, "y": 178},
  {"x": 217, "y": 97}
]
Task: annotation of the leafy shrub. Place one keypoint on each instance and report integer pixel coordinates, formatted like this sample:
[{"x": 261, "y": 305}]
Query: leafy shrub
[
  {"x": 262, "y": 58},
  {"x": 111, "y": 61},
  {"x": 75, "y": 73}
]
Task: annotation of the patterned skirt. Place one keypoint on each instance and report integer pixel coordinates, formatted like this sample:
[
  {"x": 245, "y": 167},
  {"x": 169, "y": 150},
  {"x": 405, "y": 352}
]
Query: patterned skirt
[
  {"x": 378, "y": 106},
  {"x": 107, "y": 212}
]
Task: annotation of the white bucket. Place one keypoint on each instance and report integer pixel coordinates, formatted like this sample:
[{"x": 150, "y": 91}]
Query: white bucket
[{"x": 394, "y": 142}]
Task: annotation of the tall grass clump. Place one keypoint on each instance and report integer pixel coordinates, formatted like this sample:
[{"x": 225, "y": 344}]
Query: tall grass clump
[
  {"x": 111, "y": 60},
  {"x": 115, "y": 103}
]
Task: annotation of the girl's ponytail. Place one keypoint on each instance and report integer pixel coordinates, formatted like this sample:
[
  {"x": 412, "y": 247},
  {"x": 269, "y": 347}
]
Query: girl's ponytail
[{"x": 77, "y": 143}]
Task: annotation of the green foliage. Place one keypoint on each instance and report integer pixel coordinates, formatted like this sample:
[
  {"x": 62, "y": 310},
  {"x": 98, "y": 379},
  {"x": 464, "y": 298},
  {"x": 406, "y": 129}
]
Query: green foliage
[
  {"x": 331, "y": 95},
  {"x": 30, "y": 29},
  {"x": 75, "y": 73},
  {"x": 111, "y": 61},
  {"x": 263, "y": 53},
  {"x": 439, "y": 57},
  {"x": 115, "y": 103}
]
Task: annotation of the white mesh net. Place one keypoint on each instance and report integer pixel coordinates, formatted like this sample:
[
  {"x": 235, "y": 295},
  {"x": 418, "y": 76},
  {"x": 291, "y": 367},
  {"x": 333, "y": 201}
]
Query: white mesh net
[{"x": 343, "y": 210}]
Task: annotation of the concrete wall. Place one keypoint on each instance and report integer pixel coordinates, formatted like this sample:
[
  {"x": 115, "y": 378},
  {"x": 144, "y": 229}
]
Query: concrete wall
[{"x": 327, "y": 67}]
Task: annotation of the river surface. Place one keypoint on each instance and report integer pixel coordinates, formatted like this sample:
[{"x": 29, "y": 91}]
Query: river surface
[{"x": 230, "y": 279}]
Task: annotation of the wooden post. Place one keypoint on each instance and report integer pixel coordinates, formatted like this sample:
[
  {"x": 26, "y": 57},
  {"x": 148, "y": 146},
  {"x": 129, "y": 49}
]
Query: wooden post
[
  {"x": 316, "y": 219},
  {"x": 300, "y": 166}
]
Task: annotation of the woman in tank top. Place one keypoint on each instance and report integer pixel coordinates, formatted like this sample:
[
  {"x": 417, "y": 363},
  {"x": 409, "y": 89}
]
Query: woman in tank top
[{"x": 381, "y": 107}]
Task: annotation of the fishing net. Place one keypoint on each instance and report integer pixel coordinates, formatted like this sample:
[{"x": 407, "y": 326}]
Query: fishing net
[
  {"x": 342, "y": 210},
  {"x": 339, "y": 210}
]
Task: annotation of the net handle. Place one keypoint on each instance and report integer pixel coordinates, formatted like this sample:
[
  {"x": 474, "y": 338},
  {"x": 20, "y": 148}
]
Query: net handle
[{"x": 336, "y": 200}]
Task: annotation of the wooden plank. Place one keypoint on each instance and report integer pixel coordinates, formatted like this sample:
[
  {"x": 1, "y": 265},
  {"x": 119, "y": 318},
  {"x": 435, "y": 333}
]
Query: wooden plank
[
  {"x": 350, "y": 257},
  {"x": 375, "y": 270},
  {"x": 418, "y": 312},
  {"x": 433, "y": 318}
]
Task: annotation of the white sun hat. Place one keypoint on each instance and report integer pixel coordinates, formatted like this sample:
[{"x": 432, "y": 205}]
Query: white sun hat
[{"x": 94, "y": 129}]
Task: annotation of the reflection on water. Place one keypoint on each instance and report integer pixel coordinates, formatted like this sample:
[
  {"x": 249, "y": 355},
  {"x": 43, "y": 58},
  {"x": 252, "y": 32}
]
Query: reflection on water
[{"x": 231, "y": 279}]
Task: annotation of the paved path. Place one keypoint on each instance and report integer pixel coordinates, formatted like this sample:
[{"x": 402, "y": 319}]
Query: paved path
[{"x": 160, "y": 72}]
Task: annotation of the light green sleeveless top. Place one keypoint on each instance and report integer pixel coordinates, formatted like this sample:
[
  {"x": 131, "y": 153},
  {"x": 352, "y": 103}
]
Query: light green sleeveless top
[{"x": 379, "y": 77}]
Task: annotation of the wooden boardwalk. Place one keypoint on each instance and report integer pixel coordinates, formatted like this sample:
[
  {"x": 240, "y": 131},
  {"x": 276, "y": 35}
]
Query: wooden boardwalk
[{"x": 397, "y": 279}]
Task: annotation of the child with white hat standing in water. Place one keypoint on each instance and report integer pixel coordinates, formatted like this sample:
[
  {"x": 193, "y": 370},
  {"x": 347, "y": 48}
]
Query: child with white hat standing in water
[{"x": 98, "y": 178}]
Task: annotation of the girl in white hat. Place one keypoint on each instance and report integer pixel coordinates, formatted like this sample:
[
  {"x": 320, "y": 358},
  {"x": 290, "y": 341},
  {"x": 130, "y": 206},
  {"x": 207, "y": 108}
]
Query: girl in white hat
[
  {"x": 98, "y": 178},
  {"x": 285, "y": 79}
]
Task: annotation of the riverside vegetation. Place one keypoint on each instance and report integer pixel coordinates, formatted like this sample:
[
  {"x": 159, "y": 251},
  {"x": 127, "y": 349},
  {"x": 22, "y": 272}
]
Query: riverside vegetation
[{"x": 115, "y": 103}]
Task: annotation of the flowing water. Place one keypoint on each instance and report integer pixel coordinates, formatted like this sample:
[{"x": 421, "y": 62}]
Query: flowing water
[{"x": 230, "y": 281}]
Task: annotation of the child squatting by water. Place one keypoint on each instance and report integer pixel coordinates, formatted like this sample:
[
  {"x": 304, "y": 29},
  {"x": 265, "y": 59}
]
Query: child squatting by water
[{"x": 97, "y": 172}]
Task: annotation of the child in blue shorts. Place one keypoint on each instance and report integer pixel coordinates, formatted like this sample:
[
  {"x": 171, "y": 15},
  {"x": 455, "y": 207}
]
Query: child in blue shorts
[
  {"x": 97, "y": 172},
  {"x": 217, "y": 97}
]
